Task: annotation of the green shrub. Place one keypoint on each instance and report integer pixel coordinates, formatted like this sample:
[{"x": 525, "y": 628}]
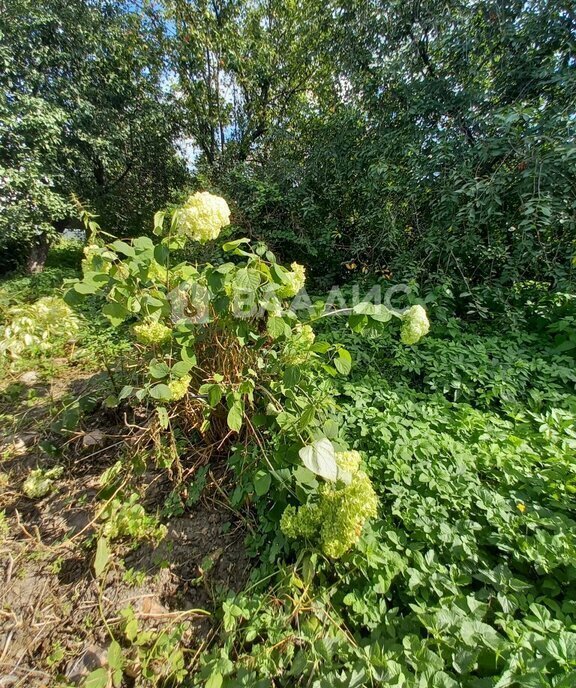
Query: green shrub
[
  {"x": 65, "y": 254},
  {"x": 39, "y": 328},
  {"x": 220, "y": 353}
]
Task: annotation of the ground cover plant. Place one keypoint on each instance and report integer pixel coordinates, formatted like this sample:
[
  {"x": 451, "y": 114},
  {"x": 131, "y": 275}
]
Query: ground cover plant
[{"x": 406, "y": 503}]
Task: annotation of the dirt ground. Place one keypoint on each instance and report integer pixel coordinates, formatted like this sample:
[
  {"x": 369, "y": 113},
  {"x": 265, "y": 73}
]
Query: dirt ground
[{"x": 55, "y": 615}]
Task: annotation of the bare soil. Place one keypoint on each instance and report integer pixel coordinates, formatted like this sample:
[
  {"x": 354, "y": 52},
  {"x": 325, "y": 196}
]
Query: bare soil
[{"x": 54, "y": 613}]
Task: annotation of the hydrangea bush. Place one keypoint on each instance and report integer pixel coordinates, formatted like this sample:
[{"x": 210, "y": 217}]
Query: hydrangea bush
[
  {"x": 336, "y": 517},
  {"x": 221, "y": 352}
]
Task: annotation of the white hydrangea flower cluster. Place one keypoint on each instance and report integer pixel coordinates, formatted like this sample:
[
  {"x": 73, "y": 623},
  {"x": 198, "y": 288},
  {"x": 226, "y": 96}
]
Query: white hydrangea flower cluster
[
  {"x": 348, "y": 461},
  {"x": 297, "y": 350},
  {"x": 150, "y": 333},
  {"x": 203, "y": 216},
  {"x": 295, "y": 281},
  {"x": 179, "y": 387},
  {"x": 415, "y": 325}
]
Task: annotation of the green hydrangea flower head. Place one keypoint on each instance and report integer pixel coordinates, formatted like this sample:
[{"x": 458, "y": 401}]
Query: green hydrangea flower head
[
  {"x": 345, "y": 511},
  {"x": 302, "y": 522},
  {"x": 150, "y": 333},
  {"x": 203, "y": 216},
  {"x": 415, "y": 325},
  {"x": 337, "y": 519},
  {"x": 349, "y": 461},
  {"x": 179, "y": 387},
  {"x": 295, "y": 281},
  {"x": 93, "y": 260},
  {"x": 297, "y": 350},
  {"x": 304, "y": 336}
]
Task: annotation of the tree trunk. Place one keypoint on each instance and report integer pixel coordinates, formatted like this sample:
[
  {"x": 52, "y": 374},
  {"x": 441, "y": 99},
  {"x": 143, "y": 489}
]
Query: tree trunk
[{"x": 38, "y": 254}]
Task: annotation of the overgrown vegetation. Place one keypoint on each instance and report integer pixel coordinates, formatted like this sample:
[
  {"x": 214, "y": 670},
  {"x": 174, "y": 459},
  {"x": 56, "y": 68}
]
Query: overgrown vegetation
[{"x": 218, "y": 468}]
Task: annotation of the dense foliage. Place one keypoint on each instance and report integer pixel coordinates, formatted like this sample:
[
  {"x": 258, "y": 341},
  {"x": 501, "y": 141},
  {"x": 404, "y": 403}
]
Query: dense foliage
[
  {"x": 408, "y": 139},
  {"x": 400, "y": 470},
  {"x": 83, "y": 110},
  {"x": 222, "y": 352},
  {"x": 432, "y": 137},
  {"x": 467, "y": 577}
]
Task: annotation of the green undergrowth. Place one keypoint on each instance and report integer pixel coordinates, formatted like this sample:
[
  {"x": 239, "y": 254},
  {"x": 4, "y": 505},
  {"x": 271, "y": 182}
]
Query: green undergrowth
[
  {"x": 468, "y": 576},
  {"x": 94, "y": 346}
]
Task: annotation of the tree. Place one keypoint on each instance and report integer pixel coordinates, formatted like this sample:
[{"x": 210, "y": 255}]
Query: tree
[
  {"x": 83, "y": 110},
  {"x": 244, "y": 68},
  {"x": 426, "y": 138}
]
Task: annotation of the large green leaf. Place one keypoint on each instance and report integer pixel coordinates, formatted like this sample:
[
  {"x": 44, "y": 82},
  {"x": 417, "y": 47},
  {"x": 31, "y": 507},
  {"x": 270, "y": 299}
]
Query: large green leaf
[
  {"x": 320, "y": 458},
  {"x": 247, "y": 279},
  {"x": 161, "y": 392}
]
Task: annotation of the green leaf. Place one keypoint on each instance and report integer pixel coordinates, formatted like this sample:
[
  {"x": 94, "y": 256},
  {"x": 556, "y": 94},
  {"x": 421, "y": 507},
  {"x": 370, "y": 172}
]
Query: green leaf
[
  {"x": 159, "y": 222},
  {"x": 247, "y": 279},
  {"x": 143, "y": 243},
  {"x": 161, "y": 392},
  {"x": 474, "y": 632},
  {"x": 292, "y": 375},
  {"x": 320, "y": 458},
  {"x": 343, "y": 362},
  {"x": 214, "y": 395},
  {"x": 235, "y": 416},
  {"x": 73, "y": 298},
  {"x": 364, "y": 308},
  {"x": 161, "y": 254},
  {"x": 115, "y": 659},
  {"x": 215, "y": 680},
  {"x": 381, "y": 313},
  {"x": 125, "y": 392},
  {"x": 330, "y": 428},
  {"x": 97, "y": 679},
  {"x": 84, "y": 288},
  {"x": 102, "y": 556},
  {"x": 262, "y": 483},
  {"x": 123, "y": 248},
  {"x": 115, "y": 313},
  {"x": 279, "y": 273},
  {"x": 309, "y": 568},
  {"x": 158, "y": 369},
  {"x": 182, "y": 368},
  {"x": 131, "y": 629},
  {"x": 320, "y": 347},
  {"x": 307, "y": 416},
  {"x": 163, "y": 417},
  {"x": 357, "y": 322},
  {"x": 276, "y": 327},
  {"x": 188, "y": 355},
  {"x": 231, "y": 245}
]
